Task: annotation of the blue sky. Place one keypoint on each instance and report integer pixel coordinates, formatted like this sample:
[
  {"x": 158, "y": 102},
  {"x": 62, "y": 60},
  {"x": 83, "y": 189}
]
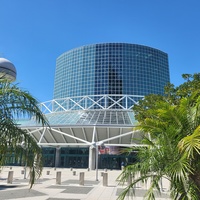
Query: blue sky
[{"x": 33, "y": 33}]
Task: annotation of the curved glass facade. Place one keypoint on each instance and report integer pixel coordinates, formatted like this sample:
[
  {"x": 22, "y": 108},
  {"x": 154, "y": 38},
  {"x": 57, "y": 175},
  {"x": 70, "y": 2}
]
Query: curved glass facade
[{"x": 111, "y": 68}]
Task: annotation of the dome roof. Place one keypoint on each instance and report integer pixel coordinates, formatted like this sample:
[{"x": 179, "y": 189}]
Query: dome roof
[{"x": 7, "y": 70}]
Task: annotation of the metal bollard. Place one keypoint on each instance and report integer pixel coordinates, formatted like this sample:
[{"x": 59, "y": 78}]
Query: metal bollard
[
  {"x": 10, "y": 177},
  {"x": 105, "y": 179},
  {"x": 22, "y": 171},
  {"x": 81, "y": 178},
  {"x": 74, "y": 173},
  {"x": 48, "y": 172},
  {"x": 58, "y": 178}
]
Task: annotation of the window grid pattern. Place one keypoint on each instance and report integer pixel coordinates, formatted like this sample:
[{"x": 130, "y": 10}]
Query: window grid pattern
[
  {"x": 98, "y": 117},
  {"x": 111, "y": 68}
]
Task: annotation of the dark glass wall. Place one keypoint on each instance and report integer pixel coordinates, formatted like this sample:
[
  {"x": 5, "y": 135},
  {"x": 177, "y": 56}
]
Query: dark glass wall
[
  {"x": 74, "y": 157},
  {"x": 49, "y": 156}
]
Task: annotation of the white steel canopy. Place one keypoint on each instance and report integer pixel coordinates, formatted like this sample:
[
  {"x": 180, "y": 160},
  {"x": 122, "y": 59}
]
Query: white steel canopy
[{"x": 87, "y": 120}]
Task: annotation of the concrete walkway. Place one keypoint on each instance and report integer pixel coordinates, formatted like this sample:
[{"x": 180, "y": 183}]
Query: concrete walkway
[{"x": 70, "y": 189}]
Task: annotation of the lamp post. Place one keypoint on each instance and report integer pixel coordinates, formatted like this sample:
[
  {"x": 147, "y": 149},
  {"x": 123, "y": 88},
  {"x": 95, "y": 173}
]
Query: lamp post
[
  {"x": 97, "y": 144},
  {"x": 97, "y": 160}
]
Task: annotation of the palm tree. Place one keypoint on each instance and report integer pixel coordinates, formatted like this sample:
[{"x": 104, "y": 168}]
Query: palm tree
[
  {"x": 14, "y": 104},
  {"x": 173, "y": 152}
]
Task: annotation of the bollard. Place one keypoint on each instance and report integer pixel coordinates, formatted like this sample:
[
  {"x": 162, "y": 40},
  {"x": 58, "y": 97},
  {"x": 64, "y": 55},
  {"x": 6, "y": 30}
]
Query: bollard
[
  {"x": 105, "y": 179},
  {"x": 102, "y": 173},
  {"x": 138, "y": 184},
  {"x": 55, "y": 168},
  {"x": 48, "y": 172},
  {"x": 10, "y": 167},
  {"x": 81, "y": 178},
  {"x": 22, "y": 171},
  {"x": 88, "y": 169},
  {"x": 10, "y": 177},
  {"x": 129, "y": 180},
  {"x": 71, "y": 169},
  {"x": 74, "y": 173},
  {"x": 58, "y": 178},
  {"x": 105, "y": 170}
]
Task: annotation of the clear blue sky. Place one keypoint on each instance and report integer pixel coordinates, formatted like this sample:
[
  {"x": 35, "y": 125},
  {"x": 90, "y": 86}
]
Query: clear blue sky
[{"x": 33, "y": 33}]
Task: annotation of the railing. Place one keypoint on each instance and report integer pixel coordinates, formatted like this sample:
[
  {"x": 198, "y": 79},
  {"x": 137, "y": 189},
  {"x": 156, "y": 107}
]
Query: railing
[{"x": 91, "y": 102}]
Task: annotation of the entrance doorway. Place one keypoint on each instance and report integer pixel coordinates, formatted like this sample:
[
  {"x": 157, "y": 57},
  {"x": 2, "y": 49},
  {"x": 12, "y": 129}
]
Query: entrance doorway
[
  {"x": 74, "y": 157},
  {"x": 49, "y": 156},
  {"x": 107, "y": 161}
]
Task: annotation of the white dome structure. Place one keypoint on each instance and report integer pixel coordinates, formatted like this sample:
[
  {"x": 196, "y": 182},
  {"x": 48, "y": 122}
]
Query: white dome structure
[{"x": 7, "y": 70}]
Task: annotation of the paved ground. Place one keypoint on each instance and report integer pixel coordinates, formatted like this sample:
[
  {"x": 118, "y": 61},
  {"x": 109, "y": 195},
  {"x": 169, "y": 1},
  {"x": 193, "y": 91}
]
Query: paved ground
[{"x": 46, "y": 188}]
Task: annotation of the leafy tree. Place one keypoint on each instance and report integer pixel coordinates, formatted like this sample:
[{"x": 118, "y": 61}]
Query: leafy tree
[
  {"x": 173, "y": 149},
  {"x": 14, "y": 104}
]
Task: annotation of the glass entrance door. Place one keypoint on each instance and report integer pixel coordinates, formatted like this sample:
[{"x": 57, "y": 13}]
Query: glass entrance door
[
  {"x": 74, "y": 157},
  {"x": 109, "y": 162}
]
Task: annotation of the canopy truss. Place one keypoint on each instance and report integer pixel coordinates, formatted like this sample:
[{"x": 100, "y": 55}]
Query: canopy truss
[{"x": 85, "y": 120}]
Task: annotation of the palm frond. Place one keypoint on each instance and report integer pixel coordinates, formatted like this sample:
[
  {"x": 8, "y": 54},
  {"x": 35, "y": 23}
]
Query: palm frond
[
  {"x": 15, "y": 103},
  {"x": 191, "y": 143}
]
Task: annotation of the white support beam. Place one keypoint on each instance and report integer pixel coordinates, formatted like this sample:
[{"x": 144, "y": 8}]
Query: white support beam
[
  {"x": 72, "y": 133},
  {"x": 42, "y": 135},
  {"x": 94, "y": 134},
  {"x": 63, "y": 136},
  {"x": 116, "y": 102},
  {"x": 115, "y": 137},
  {"x": 63, "y": 144},
  {"x": 96, "y": 103},
  {"x": 44, "y": 105},
  {"x": 84, "y": 134},
  {"x": 31, "y": 133},
  {"x": 68, "y": 135},
  {"x": 63, "y": 104},
  {"x": 51, "y": 135},
  {"x": 35, "y": 130},
  {"x": 33, "y": 137},
  {"x": 60, "y": 106},
  {"x": 108, "y": 131},
  {"x": 76, "y": 104},
  {"x": 120, "y": 133},
  {"x": 125, "y": 145}
]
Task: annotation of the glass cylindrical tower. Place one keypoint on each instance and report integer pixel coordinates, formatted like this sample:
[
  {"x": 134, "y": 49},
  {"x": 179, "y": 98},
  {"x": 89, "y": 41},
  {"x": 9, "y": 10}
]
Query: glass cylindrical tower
[{"x": 111, "y": 68}]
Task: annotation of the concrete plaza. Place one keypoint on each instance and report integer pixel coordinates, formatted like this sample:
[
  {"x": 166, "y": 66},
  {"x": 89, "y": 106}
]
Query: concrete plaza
[{"x": 47, "y": 187}]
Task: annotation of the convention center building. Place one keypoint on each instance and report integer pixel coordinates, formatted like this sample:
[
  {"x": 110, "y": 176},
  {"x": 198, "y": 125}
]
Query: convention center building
[{"x": 91, "y": 117}]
